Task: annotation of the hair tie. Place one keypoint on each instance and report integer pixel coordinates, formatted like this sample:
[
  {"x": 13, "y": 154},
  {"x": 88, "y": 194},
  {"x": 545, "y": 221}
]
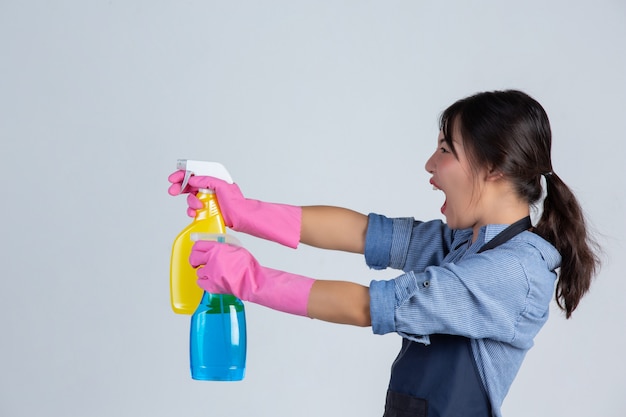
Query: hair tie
[{"x": 547, "y": 174}]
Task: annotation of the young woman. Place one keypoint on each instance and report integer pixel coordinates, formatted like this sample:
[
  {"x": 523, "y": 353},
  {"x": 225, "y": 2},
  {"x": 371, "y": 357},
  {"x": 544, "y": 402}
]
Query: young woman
[{"x": 475, "y": 290}]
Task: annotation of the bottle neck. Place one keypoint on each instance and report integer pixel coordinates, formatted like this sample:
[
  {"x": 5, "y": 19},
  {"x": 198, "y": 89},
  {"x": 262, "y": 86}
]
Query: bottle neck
[{"x": 210, "y": 207}]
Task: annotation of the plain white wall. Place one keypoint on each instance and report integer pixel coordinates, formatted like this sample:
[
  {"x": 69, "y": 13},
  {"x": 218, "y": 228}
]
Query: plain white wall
[{"x": 305, "y": 102}]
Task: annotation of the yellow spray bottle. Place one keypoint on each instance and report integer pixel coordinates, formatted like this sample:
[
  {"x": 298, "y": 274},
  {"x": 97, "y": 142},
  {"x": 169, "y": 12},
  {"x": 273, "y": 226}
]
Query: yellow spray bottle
[{"x": 185, "y": 293}]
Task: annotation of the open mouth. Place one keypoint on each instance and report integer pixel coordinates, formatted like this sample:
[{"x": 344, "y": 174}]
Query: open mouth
[{"x": 445, "y": 203}]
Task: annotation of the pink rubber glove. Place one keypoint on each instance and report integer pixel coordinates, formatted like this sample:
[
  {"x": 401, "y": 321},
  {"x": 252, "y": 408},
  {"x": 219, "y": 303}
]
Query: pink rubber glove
[
  {"x": 228, "y": 269},
  {"x": 276, "y": 222}
]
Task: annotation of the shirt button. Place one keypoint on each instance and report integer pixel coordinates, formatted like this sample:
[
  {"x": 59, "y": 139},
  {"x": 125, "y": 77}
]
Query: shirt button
[{"x": 426, "y": 284}]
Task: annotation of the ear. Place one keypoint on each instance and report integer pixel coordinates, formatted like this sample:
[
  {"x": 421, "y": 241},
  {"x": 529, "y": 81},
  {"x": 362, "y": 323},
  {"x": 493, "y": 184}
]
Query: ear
[{"x": 494, "y": 175}]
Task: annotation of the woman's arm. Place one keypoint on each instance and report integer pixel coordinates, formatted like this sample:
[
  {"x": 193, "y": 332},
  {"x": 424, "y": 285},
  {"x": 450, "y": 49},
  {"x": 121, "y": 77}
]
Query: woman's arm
[
  {"x": 335, "y": 228},
  {"x": 340, "y": 302},
  {"x": 339, "y": 229},
  {"x": 228, "y": 269}
]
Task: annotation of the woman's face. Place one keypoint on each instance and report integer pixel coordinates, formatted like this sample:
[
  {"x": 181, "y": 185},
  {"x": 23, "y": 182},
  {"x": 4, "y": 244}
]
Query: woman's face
[{"x": 454, "y": 176}]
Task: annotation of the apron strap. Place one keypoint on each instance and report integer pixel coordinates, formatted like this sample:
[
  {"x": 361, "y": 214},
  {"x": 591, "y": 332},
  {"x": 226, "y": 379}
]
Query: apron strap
[{"x": 513, "y": 230}]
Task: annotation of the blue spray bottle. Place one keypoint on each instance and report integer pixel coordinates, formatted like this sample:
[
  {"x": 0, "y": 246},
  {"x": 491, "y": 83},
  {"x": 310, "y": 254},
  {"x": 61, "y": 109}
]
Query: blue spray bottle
[{"x": 217, "y": 342}]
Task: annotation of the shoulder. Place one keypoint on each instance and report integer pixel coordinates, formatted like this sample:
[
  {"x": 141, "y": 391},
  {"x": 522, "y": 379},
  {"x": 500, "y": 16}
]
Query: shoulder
[
  {"x": 524, "y": 264},
  {"x": 529, "y": 261},
  {"x": 529, "y": 247}
]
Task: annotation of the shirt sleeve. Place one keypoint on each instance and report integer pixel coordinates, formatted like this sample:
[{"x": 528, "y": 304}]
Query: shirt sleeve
[
  {"x": 482, "y": 296},
  {"x": 404, "y": 243}
]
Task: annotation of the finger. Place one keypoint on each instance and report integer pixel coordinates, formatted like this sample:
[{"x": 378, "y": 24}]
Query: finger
[
  {"x": 218, "y": 249},
  {"x": 206, "y": 282},
  {"x": 202, "y": 273},
  {"x": 194, "y": 202},
  {"x": 176, "y": 176},
  {"x": 201, "y": 181},
  {"x": 198, "y": 257},
  {"x": 205, "y": 246},
  {"x": 201, "y": 252},
  {"x": 174, "y": 189}
]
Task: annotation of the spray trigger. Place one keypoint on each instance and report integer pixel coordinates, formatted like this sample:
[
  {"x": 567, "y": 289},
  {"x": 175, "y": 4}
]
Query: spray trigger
[
  {"x": 188, "y": 175},
  {"x": 211, "y": 169}
]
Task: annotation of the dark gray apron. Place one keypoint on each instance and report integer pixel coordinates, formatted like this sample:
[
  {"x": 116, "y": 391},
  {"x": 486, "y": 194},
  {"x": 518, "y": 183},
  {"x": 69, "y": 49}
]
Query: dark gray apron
[{"x": 441, "y": 379}]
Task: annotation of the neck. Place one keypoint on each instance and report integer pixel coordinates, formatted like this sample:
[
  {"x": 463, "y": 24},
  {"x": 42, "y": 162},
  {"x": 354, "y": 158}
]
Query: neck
[{"x": 501, "y": 206}]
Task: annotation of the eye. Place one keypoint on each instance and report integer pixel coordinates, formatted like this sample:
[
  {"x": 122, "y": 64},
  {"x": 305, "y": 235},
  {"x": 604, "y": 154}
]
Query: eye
[{"x": 444, "y": 145}]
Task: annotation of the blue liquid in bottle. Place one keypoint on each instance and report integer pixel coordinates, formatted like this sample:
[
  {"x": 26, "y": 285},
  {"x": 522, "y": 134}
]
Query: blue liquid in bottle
[{"x": 217, "y": 343}]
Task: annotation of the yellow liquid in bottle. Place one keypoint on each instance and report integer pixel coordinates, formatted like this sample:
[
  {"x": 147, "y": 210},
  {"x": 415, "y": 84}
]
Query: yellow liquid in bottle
[{"x": 184, "y": 291}]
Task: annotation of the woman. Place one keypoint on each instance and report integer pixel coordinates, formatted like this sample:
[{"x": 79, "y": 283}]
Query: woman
[{"x": 475, "y": 289}]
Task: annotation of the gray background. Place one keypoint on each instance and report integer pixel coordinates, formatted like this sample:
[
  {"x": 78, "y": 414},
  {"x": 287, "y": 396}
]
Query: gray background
[{"x": 305, "y": 102}]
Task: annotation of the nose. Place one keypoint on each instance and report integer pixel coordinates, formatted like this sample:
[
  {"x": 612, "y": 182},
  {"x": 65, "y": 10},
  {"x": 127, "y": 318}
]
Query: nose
[{"x": 430, "y": 164}]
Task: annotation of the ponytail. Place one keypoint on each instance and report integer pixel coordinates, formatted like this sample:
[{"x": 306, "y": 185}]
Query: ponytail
[{"x": 562, "y": 224}]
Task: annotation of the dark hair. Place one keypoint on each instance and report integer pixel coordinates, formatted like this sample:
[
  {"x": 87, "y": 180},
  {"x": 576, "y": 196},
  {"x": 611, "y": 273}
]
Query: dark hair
[{"x": 509, "y": 132}]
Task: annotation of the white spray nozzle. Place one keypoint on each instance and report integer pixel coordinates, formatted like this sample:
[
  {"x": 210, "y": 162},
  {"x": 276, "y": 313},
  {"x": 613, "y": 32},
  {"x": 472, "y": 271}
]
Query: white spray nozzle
[
  {"x": 210, "y": 169},
  {"x": 217, "y": 237}
]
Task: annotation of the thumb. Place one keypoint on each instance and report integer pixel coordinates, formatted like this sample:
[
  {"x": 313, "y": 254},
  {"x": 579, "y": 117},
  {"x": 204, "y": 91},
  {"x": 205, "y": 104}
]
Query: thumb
[{"x": 201, "y": 252}]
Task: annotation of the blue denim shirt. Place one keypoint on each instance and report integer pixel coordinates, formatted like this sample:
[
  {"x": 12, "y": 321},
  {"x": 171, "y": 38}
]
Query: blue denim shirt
[{"x": 499, "y": 298}]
